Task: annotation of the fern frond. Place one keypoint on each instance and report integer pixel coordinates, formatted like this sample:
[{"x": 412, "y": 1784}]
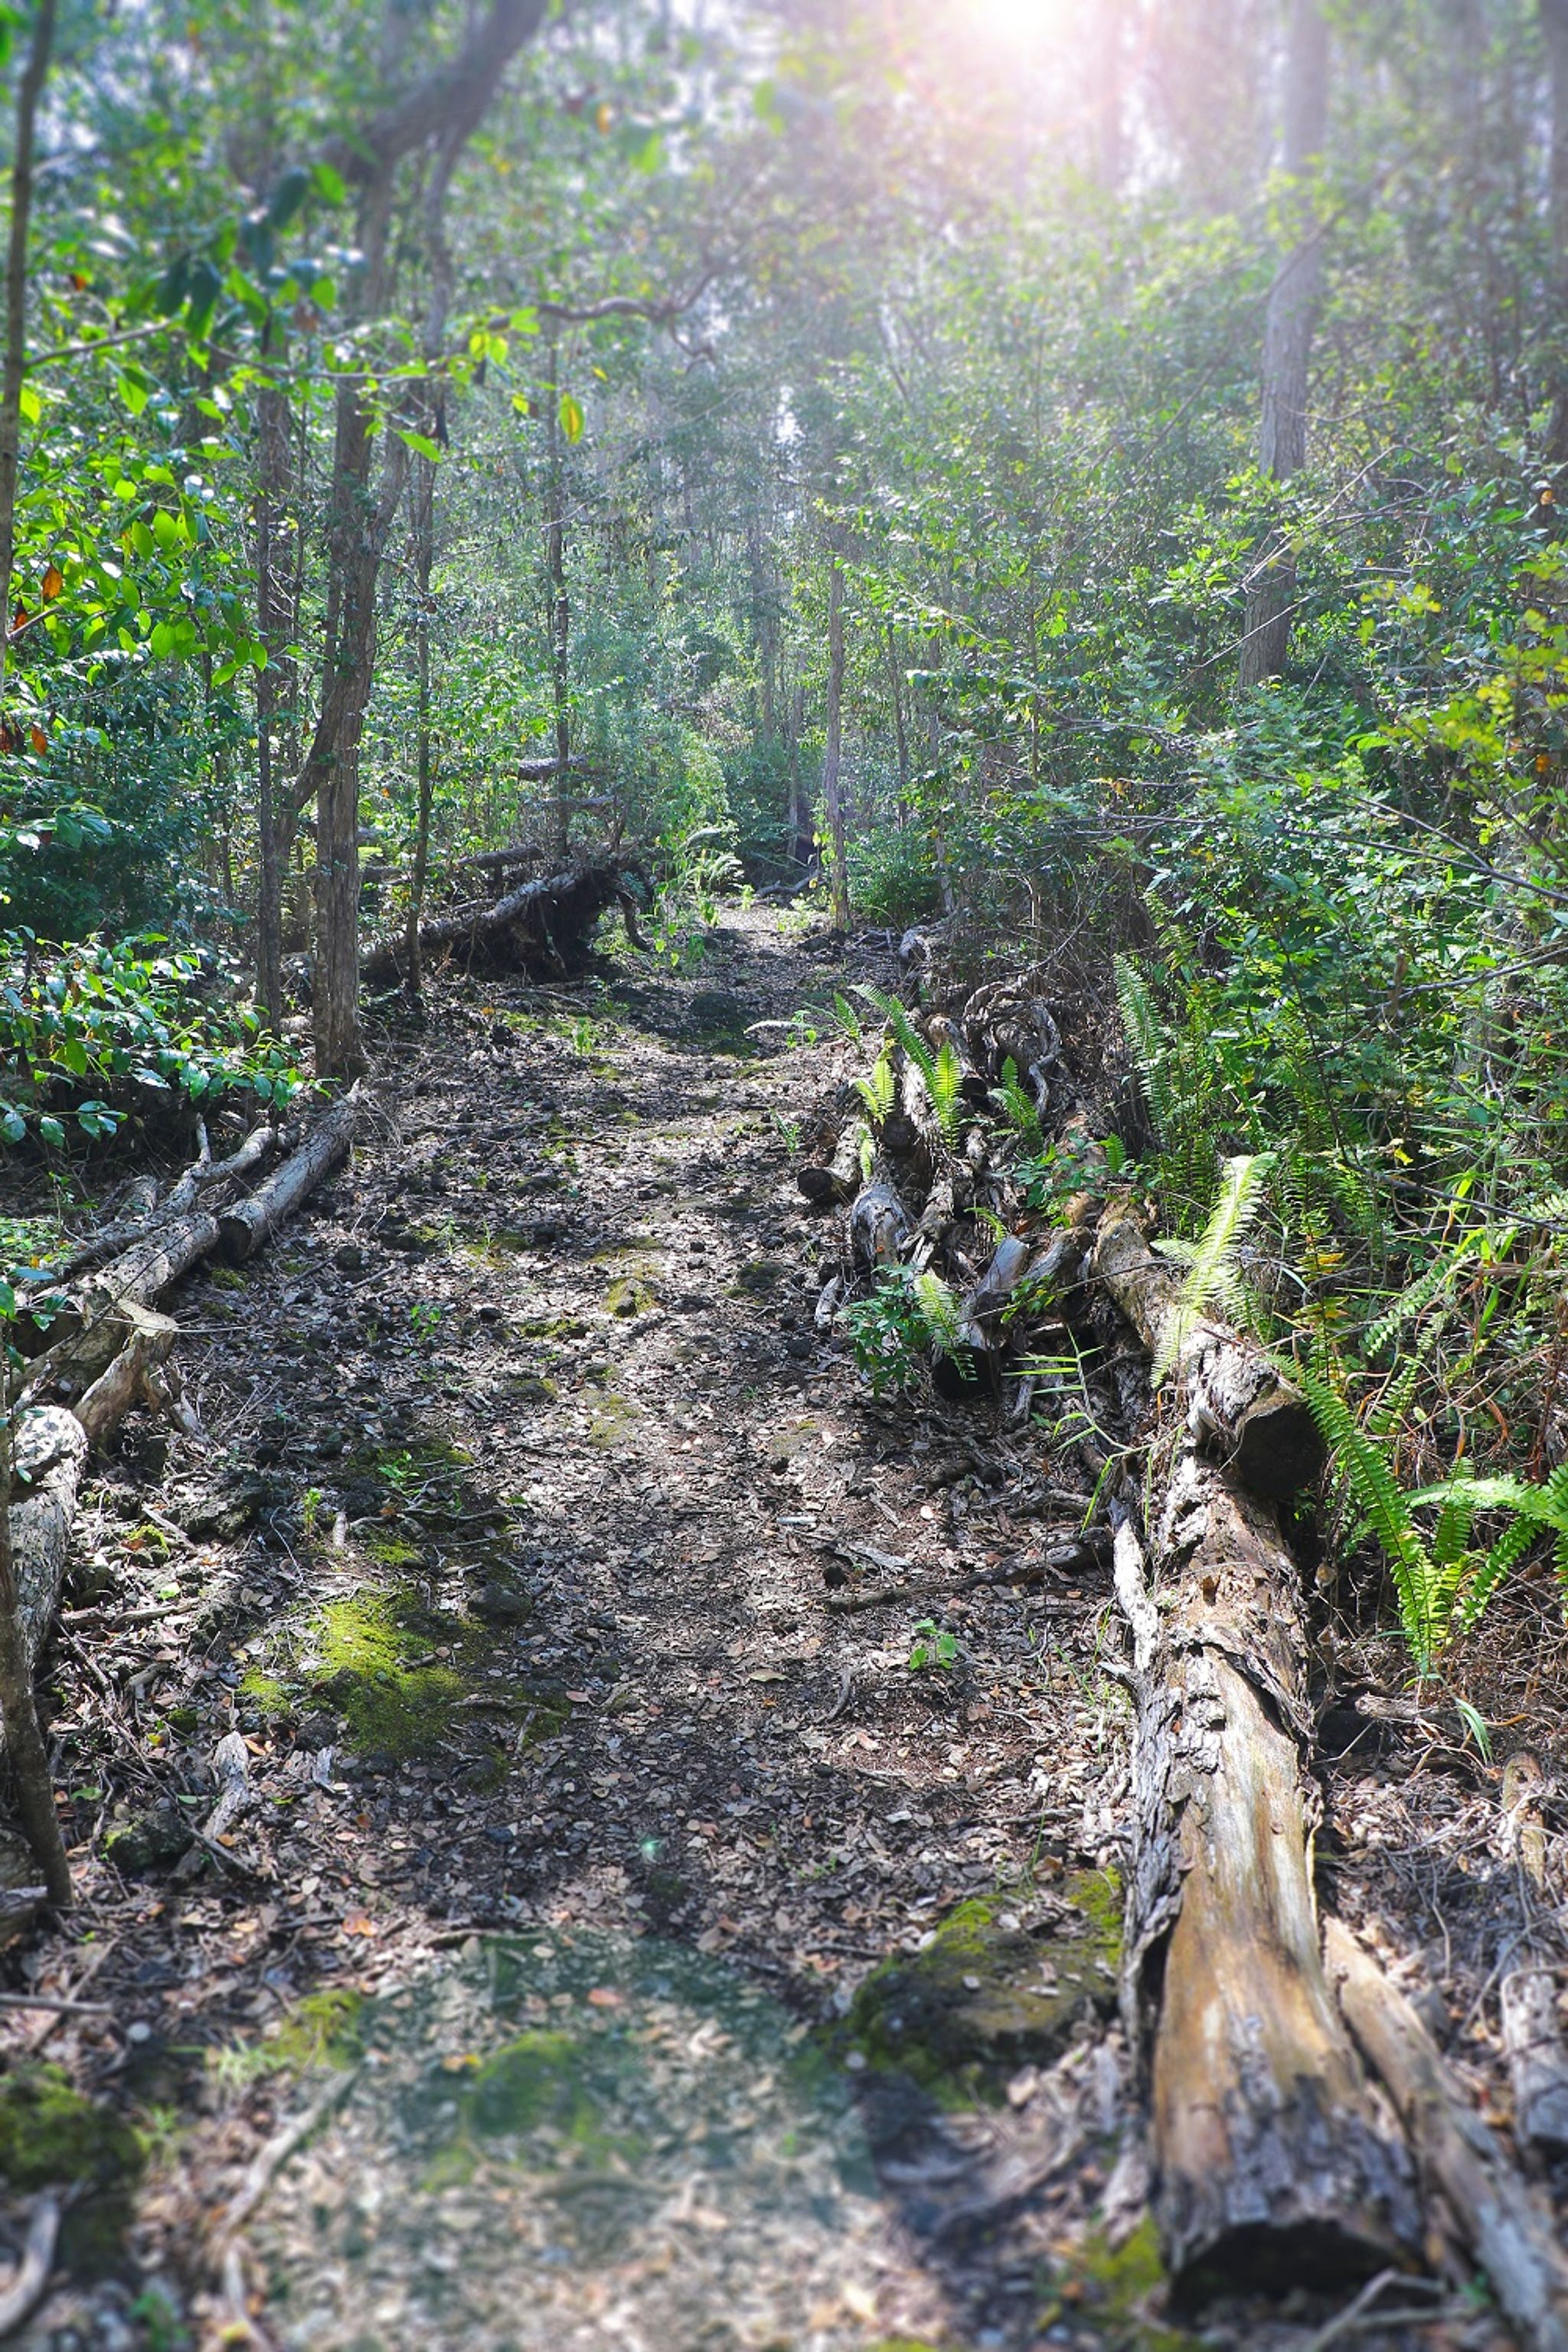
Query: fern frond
[
  {"x": 878, "y": 1091},
  {"x": 1416, "y": 1299},
  {"x": 942, "y": 1317},
  {"x": 1214, "y": 1265},
  {"x": 1421, "y": 1586},
  {"x": 1017, "y": 1107}
]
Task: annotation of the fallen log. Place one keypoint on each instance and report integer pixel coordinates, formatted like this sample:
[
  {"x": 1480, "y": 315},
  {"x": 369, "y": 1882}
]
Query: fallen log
[
  {"x": 879, "y": 1223},
  {"x": 1239, "y": 1408},
  {"x": 243, "y": 1228},
  {"x": 116, "y": 1355},
  {"x": 838, "y": 1176},
  {"x": 1458, "y": 2157},
  {"x": 1275, "y": 2166},
  {"x": 542, "y": 926},
  {"x": 1537, "y": 2058}
]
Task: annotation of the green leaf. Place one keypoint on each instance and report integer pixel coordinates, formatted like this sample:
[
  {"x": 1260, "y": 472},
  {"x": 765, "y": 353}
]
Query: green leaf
[
  {"x": 571, "y": 419},
  {"x": 52, "y": 1132}
]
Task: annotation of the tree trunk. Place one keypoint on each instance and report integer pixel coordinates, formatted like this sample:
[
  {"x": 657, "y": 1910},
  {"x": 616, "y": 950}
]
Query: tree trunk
[
  {"x": 1274, "y": 2166},
  {"x": 29, "y": 92},
  {"x": 18, "y": 1704},
  {"x": 833, "y": 754},
  {"x": 423, "y": 533},
  {"x": 1555, "y": 27},
  {"x": 1239, "y": 1408},
  {"x": 244, "y": 1228},
  {"x": 560, "y": 607},
  {"x": 1512, "y": 2239},
  {"x": 1287, "y": 340},
  {"x": 274, "y": 615}
]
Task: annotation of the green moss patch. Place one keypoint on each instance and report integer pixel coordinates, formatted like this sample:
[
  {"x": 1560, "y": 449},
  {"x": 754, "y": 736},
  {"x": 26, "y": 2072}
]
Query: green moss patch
[
  {"x": 554, "y": 1327},
  {"x": 983, "y": 2000},
  {"x": 795, "y": 1437},
  {"x": 760, "y": 1275},
  {"x": 53, "y": 2137},
  {"x": 612, "y": 1421},
  {"x": 404, "y": 1676},
  {"x": 628, "y": 1295},
  {"x": 1119, "y": 2291}
]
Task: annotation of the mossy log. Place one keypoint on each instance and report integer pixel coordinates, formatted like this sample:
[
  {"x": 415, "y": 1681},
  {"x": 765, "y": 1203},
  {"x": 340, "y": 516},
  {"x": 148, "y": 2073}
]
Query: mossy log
[
  {"x": 1239, "y": 1408},
  {"x": 1460, "y": 2159},
  {"x": 544, "y": 926},
  {"x": 879, "y": 1225},
  {"x": 1275, "y": 2164}
]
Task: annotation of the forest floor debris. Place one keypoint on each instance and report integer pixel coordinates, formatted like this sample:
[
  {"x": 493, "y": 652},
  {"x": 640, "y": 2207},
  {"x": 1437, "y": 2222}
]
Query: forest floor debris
[{"x": 574, "y": 1826}]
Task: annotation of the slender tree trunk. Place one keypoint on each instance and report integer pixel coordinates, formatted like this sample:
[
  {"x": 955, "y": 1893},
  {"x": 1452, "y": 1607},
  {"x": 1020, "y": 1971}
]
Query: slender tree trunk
[
  {"x": 1109, "y": 45},
  {"x": 560, "y": 606},
  {"x": 18, "y": 1707},
  {"x": 425, "y": 543},
  {"x": 900, "y": 730},
  {"x": 1555, "y": 26},
  {"x": 833, "y": 755},
  {"x": 273, "y": 618},
  {"x": 29, "y": 92},
  {"x": 1287, "y": 340}
]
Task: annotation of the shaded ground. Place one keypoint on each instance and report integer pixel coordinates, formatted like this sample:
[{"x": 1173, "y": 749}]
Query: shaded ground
[{"x": 575, "y": 1821}]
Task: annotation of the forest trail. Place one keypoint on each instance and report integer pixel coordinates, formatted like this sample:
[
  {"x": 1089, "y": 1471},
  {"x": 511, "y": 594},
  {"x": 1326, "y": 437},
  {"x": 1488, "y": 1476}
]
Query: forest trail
[{"x": 507, "y": 1561}]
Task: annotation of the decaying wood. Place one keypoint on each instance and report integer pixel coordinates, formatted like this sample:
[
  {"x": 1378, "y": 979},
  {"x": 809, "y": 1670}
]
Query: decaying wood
[
  {"x": 116, "y": 1354},
  {"x": 243, "y": 1228},
  {"x": 542, "y": 926},
  {"x": 1537, "y": 2057},
  {"x": 25, "y": 2290},
  {"x": 1239, "y": 1408},
  {"x": 837, "y": 1178},
  {"x": 1458, "y": 2157},
  {"x": 1274, "y": 2160},
  {"x": 879, "y": 1223}
]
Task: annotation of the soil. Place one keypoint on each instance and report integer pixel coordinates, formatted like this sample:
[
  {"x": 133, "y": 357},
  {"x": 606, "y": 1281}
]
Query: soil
[{"x": 612, "y": 1943}]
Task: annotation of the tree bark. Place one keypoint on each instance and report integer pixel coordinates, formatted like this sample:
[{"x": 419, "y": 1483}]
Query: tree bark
[
  {"x": 1239, "y": 1408},
  {"x": 243, "y": 1228},
  {"x": 1274, "y": 2165},
  {"x": 1457, "y": 2156},
  {"x": 23, "y": 1734},
  {"x": 833, "y": 753},
  {"x": 1287, "y": 340},
  {"x": 30, "y": 90},
  {"x": 449, "y": 105},
  {"x": 1554, "y": 28}
]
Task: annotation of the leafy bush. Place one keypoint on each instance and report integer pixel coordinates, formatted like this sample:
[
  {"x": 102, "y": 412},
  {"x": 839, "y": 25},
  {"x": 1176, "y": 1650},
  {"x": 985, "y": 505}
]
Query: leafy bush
[
  {"x": 893, "y": 877},
  {"x": 90, "y": 1032}
]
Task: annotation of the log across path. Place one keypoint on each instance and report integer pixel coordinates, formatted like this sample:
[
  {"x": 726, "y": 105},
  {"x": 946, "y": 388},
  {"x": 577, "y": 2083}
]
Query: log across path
[{"x": 495, "y": 1606}]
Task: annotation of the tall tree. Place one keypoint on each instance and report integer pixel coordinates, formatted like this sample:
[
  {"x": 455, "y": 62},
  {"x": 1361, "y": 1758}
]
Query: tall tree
[
  {"x": 444, "y": 107},
  {"x": 1293, "y": 301},
  {"x": 1555, "y": 27},
  {"x": 30, "y": 90}
]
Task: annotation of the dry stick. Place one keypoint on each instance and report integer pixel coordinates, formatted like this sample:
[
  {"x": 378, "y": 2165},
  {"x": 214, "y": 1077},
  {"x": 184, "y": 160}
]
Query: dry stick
[
  {"x": 1509, "y": 2236},
  {"x": 26, "y": 2292}
]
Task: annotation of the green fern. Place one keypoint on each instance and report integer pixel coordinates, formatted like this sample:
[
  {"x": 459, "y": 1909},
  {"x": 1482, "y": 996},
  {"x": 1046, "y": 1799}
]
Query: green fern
[
  {"x": 877, "y": 1092},
  {"x": 943, "y": 1320},
  {"x": 941, "y": 1074},
  {"x": 1416, "y": 1299},
  {"x": 1213, "y": 1273},
  {"x": 1017, "y": 1107},
  {"x": 1424, "y": 1588}
]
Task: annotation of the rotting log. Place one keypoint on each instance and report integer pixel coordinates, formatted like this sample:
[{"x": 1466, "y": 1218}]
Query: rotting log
[
  {"x": 879, "y": 1225},
  {"x": 1458, "y": 2157},
  {"x": 116, "y": 1356},
  {"x": 1275, "y": 2165},
  {"x": 838, "y": 1176},
  {"x": 1537, "y": 2058},
  {"x": 544, "y": 926},
  {"x": 1239, "y": 1408},
  {"x": 244, "y": 1227}
]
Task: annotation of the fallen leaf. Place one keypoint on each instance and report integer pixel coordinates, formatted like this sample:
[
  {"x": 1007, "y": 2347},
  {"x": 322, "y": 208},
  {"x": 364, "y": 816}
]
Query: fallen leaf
[
  {"x": 356, "y": 1923},
  {"x": 602, "y": 1997}
]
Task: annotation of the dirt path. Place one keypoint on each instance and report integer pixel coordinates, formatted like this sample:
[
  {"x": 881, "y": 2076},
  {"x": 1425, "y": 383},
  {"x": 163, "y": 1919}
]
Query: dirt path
[{"x": 508, "y": 1563}]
